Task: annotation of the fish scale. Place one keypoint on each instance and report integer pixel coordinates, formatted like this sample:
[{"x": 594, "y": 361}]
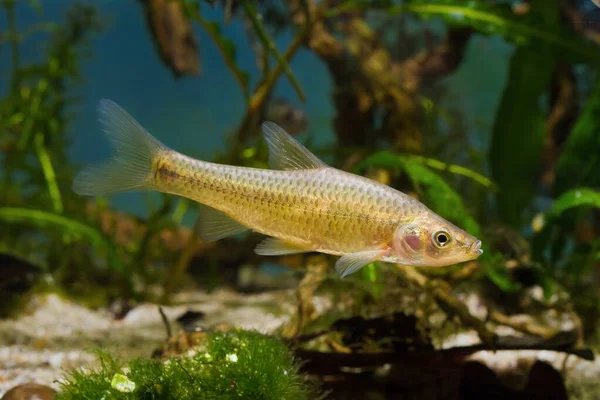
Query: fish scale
[{"x": 306, "y": 205}]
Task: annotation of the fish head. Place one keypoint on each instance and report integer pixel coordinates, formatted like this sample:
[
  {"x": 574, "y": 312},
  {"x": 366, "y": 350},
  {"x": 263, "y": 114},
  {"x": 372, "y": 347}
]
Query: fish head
[{"x": 430, "y": 240}]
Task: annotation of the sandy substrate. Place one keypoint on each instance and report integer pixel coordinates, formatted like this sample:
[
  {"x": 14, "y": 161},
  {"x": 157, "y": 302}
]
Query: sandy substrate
[{"x": 56, "y": 334}]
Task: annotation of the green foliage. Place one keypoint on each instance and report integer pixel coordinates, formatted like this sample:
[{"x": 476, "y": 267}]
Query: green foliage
[
  {"x": 580, "y": 158},
  {"x": 553, "y": 234},
  {"x": 550, "y": 245},
  {"x": 519, "y": 127},
  {"x": 40, "y": 214},
  {"x": 228, "y": 50},
  {"x": 233, "y": 365},
  {"x": 582, "y": 197},
  {"x": 491, "y": 19},
  {"x": 456, "y": 169},
  {"x": 74, "y": 229}
]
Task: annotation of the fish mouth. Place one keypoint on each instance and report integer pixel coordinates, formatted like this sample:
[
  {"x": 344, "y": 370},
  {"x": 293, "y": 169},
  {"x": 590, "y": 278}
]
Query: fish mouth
[{"x": 476, "y": 248}]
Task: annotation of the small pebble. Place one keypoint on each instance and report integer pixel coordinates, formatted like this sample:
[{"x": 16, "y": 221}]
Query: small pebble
[{"x": 30, "y": 391}]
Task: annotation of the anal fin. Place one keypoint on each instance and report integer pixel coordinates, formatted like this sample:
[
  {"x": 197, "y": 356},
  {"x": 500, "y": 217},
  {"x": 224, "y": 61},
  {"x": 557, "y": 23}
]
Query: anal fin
[
  {"x": 276, "y": 247},
  {"x": 215, "y": 225}
]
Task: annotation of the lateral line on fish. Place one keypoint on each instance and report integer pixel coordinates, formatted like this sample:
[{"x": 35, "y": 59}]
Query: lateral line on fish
[{"x": 163, "y": 171}]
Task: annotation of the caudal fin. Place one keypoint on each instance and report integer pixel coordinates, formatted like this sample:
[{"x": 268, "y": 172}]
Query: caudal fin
[{"x": 135, "y": 152}]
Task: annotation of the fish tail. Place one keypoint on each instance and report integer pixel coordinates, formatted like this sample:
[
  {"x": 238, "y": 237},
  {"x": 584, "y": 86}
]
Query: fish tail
[{"x": 133, "y": 165}]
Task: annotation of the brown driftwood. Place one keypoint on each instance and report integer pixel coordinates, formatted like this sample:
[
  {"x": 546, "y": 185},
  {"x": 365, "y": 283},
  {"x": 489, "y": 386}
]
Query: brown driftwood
[{"x": 173, "y": 36}]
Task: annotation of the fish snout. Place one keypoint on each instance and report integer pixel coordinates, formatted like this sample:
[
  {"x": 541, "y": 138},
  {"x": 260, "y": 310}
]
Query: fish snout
[{"x": 475, "y": 248}]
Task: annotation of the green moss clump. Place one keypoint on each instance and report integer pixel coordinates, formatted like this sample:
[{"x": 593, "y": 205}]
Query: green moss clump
[{"x": 232, "y": 365}]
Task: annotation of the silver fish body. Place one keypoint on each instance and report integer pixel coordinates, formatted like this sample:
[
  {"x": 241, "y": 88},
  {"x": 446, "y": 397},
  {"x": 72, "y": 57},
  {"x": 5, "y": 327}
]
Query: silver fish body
[{"x": 301, "y": 203}]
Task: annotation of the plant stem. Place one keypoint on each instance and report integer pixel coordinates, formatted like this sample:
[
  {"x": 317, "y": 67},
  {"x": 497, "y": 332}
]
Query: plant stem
[
  {"x": 256, "y": 18},
  {"x": 441, "y": 291},
  {"x": 239, "y": 75},
  {"x": 265, "y": 87},
  {"x": 49, "y": 174},
  {"x": 182, "y": 263}
]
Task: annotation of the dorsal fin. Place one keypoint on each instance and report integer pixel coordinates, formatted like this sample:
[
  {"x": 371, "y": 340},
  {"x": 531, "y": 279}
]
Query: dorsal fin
[{"x": 285, "y": 152}]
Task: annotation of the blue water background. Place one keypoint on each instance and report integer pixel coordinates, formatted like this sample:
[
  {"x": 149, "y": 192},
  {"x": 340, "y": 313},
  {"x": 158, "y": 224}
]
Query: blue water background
[{"x": 193, "y": 115}]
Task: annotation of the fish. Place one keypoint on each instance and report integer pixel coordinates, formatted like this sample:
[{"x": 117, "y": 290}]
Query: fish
[{"x": 300, "y": 203}]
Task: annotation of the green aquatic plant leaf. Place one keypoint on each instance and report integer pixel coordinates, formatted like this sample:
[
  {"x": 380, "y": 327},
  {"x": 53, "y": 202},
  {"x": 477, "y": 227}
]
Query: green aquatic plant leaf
[
  {"x": 455, "y": 169},
  {"x": 549, "y": 244},
  {"x": 573, "y": 198},
  {"x": 580, "y": 158},
  {"x": 519, "y": 129},
  {"x": 225, "y": 45},
  {"x": 491, "y": 19},
  {"x": 71, "y": 227},
  {"x": 49, "y": 174}
]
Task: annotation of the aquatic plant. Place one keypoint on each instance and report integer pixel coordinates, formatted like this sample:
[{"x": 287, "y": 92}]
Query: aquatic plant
[
  {"x": 38, "y": 212},
  {"x": 232, "y": 365}
]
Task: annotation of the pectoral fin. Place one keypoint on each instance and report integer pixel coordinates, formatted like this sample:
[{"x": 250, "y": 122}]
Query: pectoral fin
[
  {"x": 215, "y": 225},
  {"x": 352, "y": 262},
  {"x": 277, "y": 247}
]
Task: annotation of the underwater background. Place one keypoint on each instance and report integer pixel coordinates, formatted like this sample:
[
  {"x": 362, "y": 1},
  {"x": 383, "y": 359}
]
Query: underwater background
[
  {"x": 193, "y": 114},
  {"x": 487, "y": 111}
]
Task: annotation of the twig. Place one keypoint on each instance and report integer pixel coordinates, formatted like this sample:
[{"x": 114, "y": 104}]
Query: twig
[
  {"x": 182, "y": 263},
  {"x": 240, "y": 76},
  {"x": 262, "y": 93},
  {"x": 255, "y": 18},
  {"x": 441, "y": 291},
  {"x": 265, "y": 87},
  {"x": 166, "y": 322},
  {"x": 528, "y": 327},
  {"x": 316, "y": 273},
  {"x": 326, "y": 363}
]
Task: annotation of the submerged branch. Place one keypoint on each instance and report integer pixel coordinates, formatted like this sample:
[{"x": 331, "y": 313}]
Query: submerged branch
[
  {"x": 173, "y": 36},
  {"x": 261, "y": 94},
  {"x": 528, "y": 327},
  {"x": 182, "y": 263},
  {"x": 441, "y": 291},
  {"x": 225, "y": 47},
  {"x": 255, "y": 18},
  {"x": 331, "y": 363}
]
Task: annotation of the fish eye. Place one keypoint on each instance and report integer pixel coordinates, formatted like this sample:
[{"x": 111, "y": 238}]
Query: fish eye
[{"x": 441, "y": 239}]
